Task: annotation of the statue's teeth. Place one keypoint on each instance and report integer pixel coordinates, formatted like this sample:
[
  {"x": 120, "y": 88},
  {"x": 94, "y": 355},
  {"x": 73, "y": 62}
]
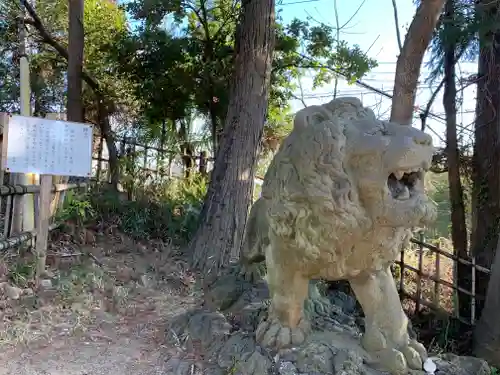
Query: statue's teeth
[
  {"x": 404, "y": 195},
  {"x": 399, "y": 174}
]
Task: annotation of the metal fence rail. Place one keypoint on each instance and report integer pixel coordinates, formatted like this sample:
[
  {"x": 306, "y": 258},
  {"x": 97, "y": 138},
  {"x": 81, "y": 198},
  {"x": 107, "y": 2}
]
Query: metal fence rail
[
  {"x": 12, "y": 192},
  {"x": 430, "y": 279}
]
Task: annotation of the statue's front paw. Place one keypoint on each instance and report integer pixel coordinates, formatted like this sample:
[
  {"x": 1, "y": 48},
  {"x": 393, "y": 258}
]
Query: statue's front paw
[
  {"x": 253, "y": 272},
  {"x": 272, "y": 334},
  {"x": 393, "y": 357}
]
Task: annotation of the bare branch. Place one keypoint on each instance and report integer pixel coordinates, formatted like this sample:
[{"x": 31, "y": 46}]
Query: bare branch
[
  {"x": 48, "y": 39},
  {"x": 353, "y": 15},
  {"x": 396, "y": 23},
  {"x": 301, "y": 98},
  {"x": 425, "y": 113}
]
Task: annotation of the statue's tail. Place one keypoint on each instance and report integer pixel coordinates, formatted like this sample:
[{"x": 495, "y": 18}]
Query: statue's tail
[
  {"x": 252, "y": 266},
  {"x": 256, "y": 234}
]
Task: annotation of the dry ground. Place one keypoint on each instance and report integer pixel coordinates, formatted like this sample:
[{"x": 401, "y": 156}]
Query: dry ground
[
  {"x": 104, "y": 313},
  {"x": 107, "y": 305}
]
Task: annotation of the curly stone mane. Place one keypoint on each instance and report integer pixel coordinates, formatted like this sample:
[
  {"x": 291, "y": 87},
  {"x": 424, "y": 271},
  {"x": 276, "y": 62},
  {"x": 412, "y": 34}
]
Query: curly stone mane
[
  {"x": 338, "y": 202},
  {"x": 305, "y": 187}
]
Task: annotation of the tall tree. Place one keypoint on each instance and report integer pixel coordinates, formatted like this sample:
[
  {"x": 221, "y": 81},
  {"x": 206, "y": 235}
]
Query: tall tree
[
  {"x": 188, "y": 64},
  {"x": 105, "y": 92},
  {"x": 455, "y": 39},
  {"x": 225, "y": 211},
  {"x": 487, "y": 331},
  {"x": 74, "y": 109},
  {"x": 486, "y": 183},
  {"x": 410, "y": 59},
  {"x": 458, "y": 221},
  {"x": 486, "y": 158}
]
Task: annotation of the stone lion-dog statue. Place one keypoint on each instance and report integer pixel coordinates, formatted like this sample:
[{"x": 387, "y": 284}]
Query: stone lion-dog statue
[{"x": 339, "y": 200}]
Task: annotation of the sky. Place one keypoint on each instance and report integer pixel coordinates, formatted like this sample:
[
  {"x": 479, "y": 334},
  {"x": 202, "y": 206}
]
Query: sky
[{"x": 371, "y": 25}]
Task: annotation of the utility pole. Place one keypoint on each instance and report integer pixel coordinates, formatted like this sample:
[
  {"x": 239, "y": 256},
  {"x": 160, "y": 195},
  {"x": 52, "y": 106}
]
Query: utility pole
[{"x": 23, "y": 216}]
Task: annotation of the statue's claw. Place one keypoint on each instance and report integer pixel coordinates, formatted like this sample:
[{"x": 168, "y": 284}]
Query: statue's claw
[
  {"x": 395, "y": 358},
  {"x": 272, "y": 334}
]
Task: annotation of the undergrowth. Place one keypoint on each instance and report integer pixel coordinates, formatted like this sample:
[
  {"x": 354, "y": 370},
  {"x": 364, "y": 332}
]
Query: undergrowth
[{"x": 168, "y": 210}]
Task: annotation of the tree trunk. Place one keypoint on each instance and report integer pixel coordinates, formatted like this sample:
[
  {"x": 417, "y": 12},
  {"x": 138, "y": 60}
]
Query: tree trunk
[
  {"x": 486, "y": 158},
  {"x": 107, "y": 134},
  {"x": 487, "y": 332},
  {"x": 75, "y": 61},
  {"x": 74, "y": 106},
  {"x": 410, "y": 59},
  {"x": 458, "y": 227},
  {"x": 219, "y": 237}
]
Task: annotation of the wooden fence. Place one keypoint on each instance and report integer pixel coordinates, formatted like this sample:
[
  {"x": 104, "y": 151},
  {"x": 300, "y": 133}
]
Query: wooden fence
[
  {"x": 427, "y": 277},
  {"x": 11, "y": 195},
  {"x": 44, "y": 221},
  {"x": 150, "y": 160}
]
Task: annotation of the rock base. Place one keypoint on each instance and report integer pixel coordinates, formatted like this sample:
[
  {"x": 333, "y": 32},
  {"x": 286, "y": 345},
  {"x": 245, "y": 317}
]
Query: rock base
[{"x": 223, "y": 334}]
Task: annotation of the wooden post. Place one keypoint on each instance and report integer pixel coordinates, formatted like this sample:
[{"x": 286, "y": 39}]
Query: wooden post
[
  {"x": 9, "y": 209},
  {"x": 57, "y": 200},
  {"x": 203, "y": 163},
  {"x": 42, "y": 227}
]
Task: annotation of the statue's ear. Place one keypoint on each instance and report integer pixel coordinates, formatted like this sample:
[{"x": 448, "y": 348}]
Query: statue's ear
[{"x": 311, "y": 116}]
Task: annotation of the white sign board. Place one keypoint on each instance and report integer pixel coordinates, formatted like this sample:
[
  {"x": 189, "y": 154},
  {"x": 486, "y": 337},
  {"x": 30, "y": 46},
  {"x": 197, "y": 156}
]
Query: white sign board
[{"x": 43, "y": 146}]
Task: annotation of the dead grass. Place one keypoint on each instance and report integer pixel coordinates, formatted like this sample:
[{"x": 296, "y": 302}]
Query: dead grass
[
  {"x": 433, "y": 267},
  {"x": 118, "y": 283},
  {"x": 434, "y": 318}
]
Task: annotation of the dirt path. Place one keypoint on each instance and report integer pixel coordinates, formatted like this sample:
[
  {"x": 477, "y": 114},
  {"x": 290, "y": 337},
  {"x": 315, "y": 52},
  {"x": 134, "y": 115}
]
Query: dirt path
[{"x": 99, "y": 319}]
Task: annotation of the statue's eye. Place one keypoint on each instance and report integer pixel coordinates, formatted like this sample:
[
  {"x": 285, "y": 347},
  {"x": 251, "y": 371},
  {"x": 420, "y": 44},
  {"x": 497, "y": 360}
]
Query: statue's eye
[{"x": 318, "y": 119}]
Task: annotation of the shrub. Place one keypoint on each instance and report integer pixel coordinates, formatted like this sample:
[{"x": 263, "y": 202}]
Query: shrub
[{"x": 167, "y": 210}]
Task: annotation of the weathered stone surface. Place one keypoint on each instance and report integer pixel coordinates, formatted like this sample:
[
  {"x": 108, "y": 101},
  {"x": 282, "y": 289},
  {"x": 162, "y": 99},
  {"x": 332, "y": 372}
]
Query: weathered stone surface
[
  {"x": 339, "y": 200},
  {"x": 199, "y": 331},
  {"x": 214, "y": 370},
  {"x": 326, "y": 352},
  {"x": 254, "y": 363},
  {"x": 316, "y": 357},
  {"x": 225, "y": 291},
  {"x": 287, "y": 368},
  {"x": 177, "y": 366},
  {"x": 453, "y": 364},
  {"x": 348, "y": 362},
  {"x": 234, "y": 348}
]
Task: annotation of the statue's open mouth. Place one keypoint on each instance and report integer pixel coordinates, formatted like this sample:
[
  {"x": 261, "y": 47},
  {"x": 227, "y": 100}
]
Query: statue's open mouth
[{"x": 405, "y": 184}]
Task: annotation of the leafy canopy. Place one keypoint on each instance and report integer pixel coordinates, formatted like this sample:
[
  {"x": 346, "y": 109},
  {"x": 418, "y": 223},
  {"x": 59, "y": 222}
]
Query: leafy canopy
[{"x": 180, "y": 58}]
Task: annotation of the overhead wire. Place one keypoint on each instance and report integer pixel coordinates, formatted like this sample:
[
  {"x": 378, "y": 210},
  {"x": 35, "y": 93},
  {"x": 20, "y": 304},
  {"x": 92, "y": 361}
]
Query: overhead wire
[{"x": 368, "y": 87}]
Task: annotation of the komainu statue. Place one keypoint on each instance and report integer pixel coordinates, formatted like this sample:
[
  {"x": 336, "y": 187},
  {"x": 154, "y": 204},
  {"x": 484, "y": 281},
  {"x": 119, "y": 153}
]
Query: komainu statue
[{"x": 339, "y": 201}]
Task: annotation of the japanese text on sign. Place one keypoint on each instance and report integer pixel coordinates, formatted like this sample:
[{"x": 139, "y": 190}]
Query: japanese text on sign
[{"x": 42, "y": 146}]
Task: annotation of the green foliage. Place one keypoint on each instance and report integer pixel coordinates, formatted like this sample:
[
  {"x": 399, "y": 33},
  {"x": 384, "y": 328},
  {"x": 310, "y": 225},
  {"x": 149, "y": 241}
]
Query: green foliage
[
  {"x": 180, "y": 60},
  {"x": 168, "y": 210},
  {"x": 461, "y": 31},
  {"x": 439, "y": 192},
  {"x": 22, "y": 272},
  {"x": 104, "y": 23},
  {"x": 9, "y": 59},
  {"x": 171, "y": 71},
  {"x": 77, "y": 209}
]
